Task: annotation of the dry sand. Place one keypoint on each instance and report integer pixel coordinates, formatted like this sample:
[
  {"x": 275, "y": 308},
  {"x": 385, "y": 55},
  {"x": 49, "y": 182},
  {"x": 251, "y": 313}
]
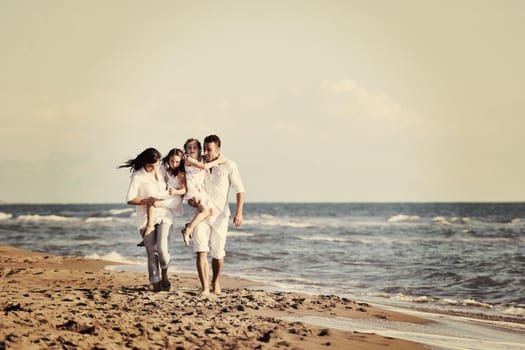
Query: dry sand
[{"x": 73, "y": 303}]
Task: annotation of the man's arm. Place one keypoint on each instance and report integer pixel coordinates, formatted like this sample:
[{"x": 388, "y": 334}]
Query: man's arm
[
  {"x": 236, "y": 183},
  {"x": 237, "y": 218}
]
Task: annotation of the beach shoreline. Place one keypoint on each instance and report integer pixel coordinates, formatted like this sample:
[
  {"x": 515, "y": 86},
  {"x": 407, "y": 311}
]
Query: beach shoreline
[{"x": 72, "y": 302}]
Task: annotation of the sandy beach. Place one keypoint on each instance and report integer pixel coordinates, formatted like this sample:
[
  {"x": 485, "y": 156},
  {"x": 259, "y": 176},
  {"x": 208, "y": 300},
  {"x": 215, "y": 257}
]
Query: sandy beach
[{"x": 71, "y": 302}]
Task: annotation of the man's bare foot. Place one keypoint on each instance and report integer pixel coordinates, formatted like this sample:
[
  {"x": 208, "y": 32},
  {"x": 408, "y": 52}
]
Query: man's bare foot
[
  {"x": 216, "y": 288},
  {"x": 204, "y": 294}
]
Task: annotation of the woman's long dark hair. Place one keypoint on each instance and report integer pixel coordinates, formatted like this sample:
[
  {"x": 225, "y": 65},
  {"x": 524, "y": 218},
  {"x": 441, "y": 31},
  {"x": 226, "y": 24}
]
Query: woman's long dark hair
[
  {"x": 166, "y": 161},
  {"x": 148, "y": 156}
]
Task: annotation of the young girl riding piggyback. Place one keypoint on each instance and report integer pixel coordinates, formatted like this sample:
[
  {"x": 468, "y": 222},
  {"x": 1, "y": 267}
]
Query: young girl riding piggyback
[{"x": 196, "y": 195}]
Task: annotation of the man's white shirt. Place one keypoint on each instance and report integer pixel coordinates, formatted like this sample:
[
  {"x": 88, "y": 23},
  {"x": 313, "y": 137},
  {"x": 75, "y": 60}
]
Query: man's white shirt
[{"x": 218, "y": 182}]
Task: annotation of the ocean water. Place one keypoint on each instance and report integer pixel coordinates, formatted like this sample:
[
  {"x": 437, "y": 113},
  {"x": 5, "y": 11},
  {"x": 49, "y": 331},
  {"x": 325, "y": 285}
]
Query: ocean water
[{"x": 460, "y": 256}]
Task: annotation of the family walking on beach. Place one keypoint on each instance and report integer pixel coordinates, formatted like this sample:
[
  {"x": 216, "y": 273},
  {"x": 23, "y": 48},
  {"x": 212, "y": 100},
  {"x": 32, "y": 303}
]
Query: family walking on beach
[{"x": 203, "y": 177}]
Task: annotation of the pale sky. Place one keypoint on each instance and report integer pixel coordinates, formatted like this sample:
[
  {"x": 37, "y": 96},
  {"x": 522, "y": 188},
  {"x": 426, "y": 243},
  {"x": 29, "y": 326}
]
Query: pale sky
[{"x": 343, "y": 101}]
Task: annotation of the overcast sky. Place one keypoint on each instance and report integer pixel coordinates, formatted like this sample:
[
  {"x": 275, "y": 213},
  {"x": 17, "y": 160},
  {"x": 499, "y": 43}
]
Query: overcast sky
[{"x": 315, "y": 100}]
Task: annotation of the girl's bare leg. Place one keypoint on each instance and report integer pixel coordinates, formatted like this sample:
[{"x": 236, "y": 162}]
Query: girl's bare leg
[
  {"x": 201, "y": 215},
  {"x": 149, "y": 225}
]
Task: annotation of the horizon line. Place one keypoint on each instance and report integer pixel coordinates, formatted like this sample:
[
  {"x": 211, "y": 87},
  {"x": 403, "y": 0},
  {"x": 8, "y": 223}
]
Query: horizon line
[{"x": 283, "y": 202}]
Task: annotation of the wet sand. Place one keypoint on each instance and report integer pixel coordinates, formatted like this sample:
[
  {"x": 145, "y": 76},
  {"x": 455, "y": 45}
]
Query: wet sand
[{"x": 70, "y": 303}]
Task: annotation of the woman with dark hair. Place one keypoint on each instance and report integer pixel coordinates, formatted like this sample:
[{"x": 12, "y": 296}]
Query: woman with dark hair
[
  {"x": 172, "y": 171},
  {"x": 148, "y": 188}
]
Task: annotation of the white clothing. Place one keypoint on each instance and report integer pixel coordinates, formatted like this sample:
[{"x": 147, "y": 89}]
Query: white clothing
[
  {"x": 214, "y": 230},
  {"x": 195, "y": 186},
  {"x": 218, "y": 182},
  {"x": 212, "y": 235},
  {"x": 156, "y": 244},
  {"x": 144, "y": 185},
  {"x": 173, "y": 203}
]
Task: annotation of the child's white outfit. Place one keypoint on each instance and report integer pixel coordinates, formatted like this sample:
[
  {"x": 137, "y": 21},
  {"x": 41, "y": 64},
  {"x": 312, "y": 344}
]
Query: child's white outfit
[
  {"x": 173, "y": 203},
  {"x": 195, "y": 186}
]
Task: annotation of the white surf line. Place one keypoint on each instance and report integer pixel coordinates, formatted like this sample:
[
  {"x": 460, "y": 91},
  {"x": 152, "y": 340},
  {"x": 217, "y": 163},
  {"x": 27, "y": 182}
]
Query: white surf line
[
  {"x": 443, "y": 333},
  {"x": 437, "y": 317}
]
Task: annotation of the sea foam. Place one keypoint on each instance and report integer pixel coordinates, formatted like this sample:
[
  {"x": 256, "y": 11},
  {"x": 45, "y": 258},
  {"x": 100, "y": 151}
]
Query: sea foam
[
  {"x": 401, "y": 218},
  {"x": 322, "y": 238},
  {"x": 514, "y": 311},
  {"x": 120, "y": 211},
  {"x": 45, "y": 218},
  {"x": 5, "y": 216},
  {"x": 412, "y": 298},
  {"x": 239, "y": 234},
  {"x": 102, "y": 219},
  {"x": 271, "y": 220},
  {"x": 112, "y": 256},
  {"x": 467, "y": 302}
]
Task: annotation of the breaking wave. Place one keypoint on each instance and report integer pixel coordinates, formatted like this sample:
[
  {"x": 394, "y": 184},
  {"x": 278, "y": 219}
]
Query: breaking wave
[
  {"x": 401, "y": 218},
  {"x": 112, "y": 256},
  {"x": 466, "y": 302},
  {"x": 454, "y": 220},
  {"x": 322, "y": 238},
  {"x": 239, "y": 234},
  {"x": 121, "y": 211},
  {"x": 5, "y": 216},
  {"x": 103, "y": 219},
  {"x": 514, "y": 311},
  {"x": 56, "y": 218}
]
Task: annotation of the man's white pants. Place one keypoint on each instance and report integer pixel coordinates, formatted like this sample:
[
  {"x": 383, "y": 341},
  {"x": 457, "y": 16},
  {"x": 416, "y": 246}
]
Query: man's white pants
[{"x": 210, "y": 236}]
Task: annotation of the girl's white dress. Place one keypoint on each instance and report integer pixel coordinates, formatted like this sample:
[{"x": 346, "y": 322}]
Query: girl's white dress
[
  {"x": 173, "y": 203},
  {"x": 195, "y": 186}
]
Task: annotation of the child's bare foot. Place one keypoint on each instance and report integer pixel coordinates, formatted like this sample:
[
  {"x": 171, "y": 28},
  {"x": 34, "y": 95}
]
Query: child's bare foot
[
  {"x": 149, "y": 229},
  {"x": 144, "y": 232}
]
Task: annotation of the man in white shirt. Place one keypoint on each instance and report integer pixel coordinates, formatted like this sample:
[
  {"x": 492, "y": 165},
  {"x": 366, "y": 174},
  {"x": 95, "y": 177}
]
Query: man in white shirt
[{"x": 210, "y": 235}]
